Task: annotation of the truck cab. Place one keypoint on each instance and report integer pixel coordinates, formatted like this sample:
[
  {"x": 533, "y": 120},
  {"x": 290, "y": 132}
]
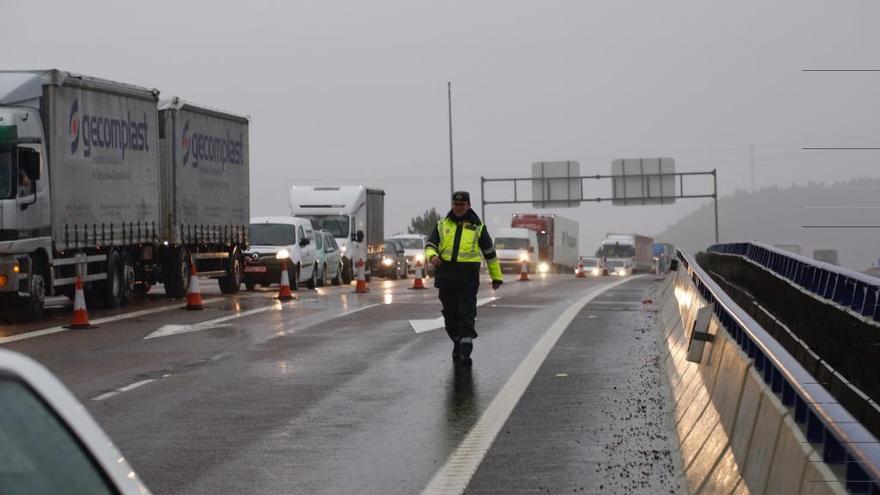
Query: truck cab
[
  {"x": 25, "y": 243},
  {"x": 514, "y": 246}
]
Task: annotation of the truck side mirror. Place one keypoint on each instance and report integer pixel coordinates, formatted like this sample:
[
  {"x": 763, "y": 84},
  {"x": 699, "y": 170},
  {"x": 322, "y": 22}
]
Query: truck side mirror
[
  {"x": 304, "y": 241},
  {"x": 358, "y": 237},
  {"x": 29, "y": 162}
]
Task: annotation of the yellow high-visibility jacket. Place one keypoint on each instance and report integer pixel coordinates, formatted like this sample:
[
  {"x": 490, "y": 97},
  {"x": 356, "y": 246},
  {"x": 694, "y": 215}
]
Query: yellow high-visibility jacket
[{"x": 460, "y": 244}]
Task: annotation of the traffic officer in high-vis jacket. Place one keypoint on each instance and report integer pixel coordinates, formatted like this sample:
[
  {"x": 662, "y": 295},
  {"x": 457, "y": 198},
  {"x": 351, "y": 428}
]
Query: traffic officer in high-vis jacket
[{"x": 454, "y": 248}]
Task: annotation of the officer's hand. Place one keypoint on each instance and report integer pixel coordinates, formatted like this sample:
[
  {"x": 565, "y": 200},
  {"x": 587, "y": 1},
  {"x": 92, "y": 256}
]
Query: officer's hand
[
  {"x": 436, "y": 261},
  {"x": 496, "y": 284}
]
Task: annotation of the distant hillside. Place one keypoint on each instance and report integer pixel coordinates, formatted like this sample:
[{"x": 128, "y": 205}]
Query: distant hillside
[{"x": 777, "y": 215}]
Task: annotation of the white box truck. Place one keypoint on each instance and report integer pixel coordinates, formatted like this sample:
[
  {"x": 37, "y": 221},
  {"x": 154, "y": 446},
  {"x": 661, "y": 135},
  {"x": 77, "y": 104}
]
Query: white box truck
[
  {"x": 93, "y": 185},
  {"x": 355, "y": 215},
  {"x": 557, "y": 240}
]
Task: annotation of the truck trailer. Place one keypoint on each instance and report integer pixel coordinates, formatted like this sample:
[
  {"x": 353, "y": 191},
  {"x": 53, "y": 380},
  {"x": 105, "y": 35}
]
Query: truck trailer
[
  {"x": 103, "y": 186},
  {"x": 557, "y": 240},
  {"x": 355, "y": 215}
]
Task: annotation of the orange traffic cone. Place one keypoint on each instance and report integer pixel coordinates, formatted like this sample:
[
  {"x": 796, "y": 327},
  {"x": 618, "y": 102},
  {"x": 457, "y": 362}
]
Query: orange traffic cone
[
  {"x": 361, "y": 287},
  {"x": 580, "y": 273},
  {"x": 193, "y": 295},
  {"x": 284, "y": 293},
  {"x": 524, "y": 272},
  {"x": 80, "y": 318},
  {"x": 417, "y": 278}
]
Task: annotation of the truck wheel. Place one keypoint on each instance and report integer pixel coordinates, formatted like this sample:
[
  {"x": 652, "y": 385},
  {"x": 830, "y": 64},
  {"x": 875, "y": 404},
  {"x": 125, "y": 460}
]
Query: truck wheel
[
  {"x": 37, "y": 298},
  {"x": 312, "y": 282},
  {"x": 176, "y": 270},
  {"x": 338, "y": 278},
  {"x": 232, "y": 282},
  {"x": 111, "y": 294},
  {"x": 346, "y": 272},
  {"x": 128, "y": 281}
]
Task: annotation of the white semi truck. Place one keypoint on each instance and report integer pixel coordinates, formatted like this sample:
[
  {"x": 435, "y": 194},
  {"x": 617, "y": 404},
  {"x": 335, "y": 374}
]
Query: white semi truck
[
  {"x": 355, "y": 215},
  {"x": 98, "y": 182},
  {"x": 625, "y": 254}
]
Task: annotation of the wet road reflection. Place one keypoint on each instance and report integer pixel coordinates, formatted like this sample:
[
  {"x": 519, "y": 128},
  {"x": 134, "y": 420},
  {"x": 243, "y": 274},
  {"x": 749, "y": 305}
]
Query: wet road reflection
[{"x": 461, "y": 404}]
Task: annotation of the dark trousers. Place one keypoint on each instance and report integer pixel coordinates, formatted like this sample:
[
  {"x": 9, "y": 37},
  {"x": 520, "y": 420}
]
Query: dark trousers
[{"x": 459, "y": 311}]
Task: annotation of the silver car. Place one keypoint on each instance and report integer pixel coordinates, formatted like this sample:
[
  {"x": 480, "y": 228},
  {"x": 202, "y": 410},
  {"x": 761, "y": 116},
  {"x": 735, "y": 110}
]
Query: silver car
[{"x": 329, "y": 258}]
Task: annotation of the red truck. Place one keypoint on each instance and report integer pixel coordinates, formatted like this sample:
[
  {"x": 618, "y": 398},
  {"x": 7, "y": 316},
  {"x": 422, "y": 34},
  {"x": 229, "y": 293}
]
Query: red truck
[{"x": 557, "y": 239}]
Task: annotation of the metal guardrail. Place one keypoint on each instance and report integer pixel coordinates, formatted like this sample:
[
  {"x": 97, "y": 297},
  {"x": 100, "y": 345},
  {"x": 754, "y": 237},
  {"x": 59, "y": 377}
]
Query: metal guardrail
[
  {"x": 837, "y": 435},
  {"x": 853, "y": 290}
]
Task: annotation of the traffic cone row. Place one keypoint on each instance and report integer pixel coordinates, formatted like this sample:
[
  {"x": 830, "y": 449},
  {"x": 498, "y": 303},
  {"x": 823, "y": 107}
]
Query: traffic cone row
[
  {"x": 193, "y": 295},
  {"x": 80, "y": 319},
  {"x": 361, "y": 287},
  {"x": 524, "y": 272},
  {"x": 284, "y": 293},
  {"x": 580, "y": 273},
  {"x": 417, "y": 278}
]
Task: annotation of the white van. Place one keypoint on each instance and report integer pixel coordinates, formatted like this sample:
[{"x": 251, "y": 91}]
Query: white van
[
  {"x": 273, "y": 238},
  {"x": 513, "y": 245},
  {"x": 413, "y": 249}
]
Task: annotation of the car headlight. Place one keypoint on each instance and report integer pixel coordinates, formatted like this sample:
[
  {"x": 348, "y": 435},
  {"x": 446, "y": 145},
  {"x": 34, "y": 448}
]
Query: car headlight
[
  {"x": 387, "y": 261},
  {"x": 283, "y": 254},
  {"x": 524, "y": 257},
  {"x": 343, "y": 249},
  {"x": 595, "y": 271},
  {"x": 543, "y": 267},
  {"x": 420, "y": 257}
]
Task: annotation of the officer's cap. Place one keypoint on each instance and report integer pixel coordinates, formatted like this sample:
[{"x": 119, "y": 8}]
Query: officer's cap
[{"x": 461, "y": 197}]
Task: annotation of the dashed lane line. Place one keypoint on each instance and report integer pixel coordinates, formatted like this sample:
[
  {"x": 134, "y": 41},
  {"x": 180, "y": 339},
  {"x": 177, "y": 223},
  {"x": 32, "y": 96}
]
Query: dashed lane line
[
  {"x": 459, "y": 468},
  {"x": 122, "y": 390}
]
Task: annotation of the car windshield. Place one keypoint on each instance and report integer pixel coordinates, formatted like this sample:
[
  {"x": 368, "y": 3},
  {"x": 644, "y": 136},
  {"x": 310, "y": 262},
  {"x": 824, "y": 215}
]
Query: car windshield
[
  {"x": 615, "y": 263},
  {"x": 272, "y": 234},
  {"x": 410, "y": 243},
  {"x": 7, "y": 181},
  {"x": 511, "y": 243},
  {"x": 39, "y": 454},
  {"x": 335, "y": 224},
  {"x": 391, "y": 247},
  {"x": 591, "y": 262}
]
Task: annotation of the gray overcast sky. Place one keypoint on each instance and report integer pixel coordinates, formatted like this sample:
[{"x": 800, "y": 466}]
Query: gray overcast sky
[{"x": 355, "y": 92}]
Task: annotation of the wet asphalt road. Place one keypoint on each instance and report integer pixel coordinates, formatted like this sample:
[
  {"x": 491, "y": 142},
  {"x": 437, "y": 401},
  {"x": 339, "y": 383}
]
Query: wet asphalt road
[{"x": 335, "y": 393}]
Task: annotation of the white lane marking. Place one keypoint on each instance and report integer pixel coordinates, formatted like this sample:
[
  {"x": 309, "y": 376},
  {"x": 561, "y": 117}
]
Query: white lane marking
[
  {"x": 167, "y": 330},
  {"x": 122, "y": 390},
  {"x": 422, "y": 326},
  {"x": 459, "y": 468},
  {"x": 98, "y": 321}
]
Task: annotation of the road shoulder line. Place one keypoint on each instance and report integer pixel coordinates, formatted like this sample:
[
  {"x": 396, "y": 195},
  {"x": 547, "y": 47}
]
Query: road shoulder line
[{"x": 456, "y": 473}]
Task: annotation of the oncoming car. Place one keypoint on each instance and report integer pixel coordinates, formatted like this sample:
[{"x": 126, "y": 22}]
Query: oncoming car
[
  {"x": 594, "y": 267},
  {"x": 413, "y": 249},
  {"x": 391, "y": 262},
  {"x": 619, "y": 267},
  {"x": 50, "y": 444}
]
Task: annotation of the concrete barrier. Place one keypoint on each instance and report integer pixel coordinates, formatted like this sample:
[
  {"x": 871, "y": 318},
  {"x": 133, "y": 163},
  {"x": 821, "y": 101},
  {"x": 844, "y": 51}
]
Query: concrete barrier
[{"x": 734, "y": 435}]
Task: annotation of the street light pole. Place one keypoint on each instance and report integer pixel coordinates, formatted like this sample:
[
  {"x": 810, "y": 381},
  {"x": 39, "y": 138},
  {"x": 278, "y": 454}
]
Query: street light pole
[{"x": 451, "y": 177}]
